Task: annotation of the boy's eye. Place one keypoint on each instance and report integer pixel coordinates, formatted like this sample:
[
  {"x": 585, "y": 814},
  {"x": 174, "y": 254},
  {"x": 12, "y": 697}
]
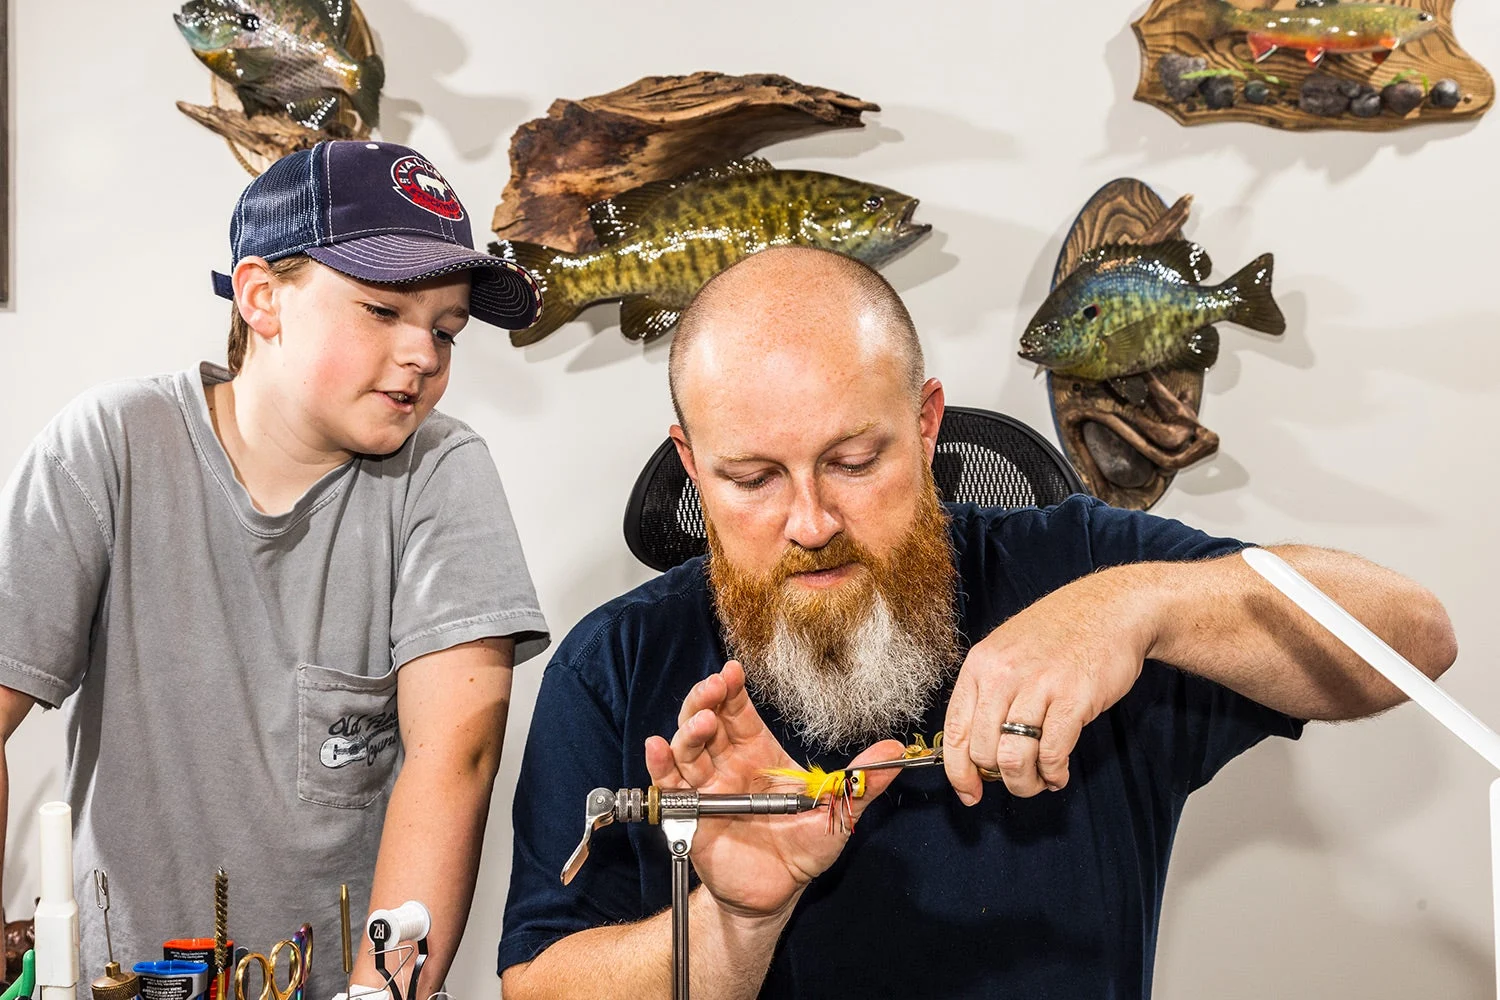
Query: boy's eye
[
  {"x": 379, "y": 312},
  {"x": 445, "y": 337}
]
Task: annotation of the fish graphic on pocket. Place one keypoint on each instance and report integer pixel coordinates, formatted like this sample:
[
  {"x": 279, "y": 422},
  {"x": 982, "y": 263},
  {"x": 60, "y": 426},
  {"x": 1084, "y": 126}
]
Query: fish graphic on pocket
[{"x": 340, "y": 750}]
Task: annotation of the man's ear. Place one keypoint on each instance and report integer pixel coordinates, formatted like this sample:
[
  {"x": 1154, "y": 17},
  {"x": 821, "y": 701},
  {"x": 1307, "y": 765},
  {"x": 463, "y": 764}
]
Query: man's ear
[
  {"x": 684, "y": 451},
  {"x": 930, "y": 418},
  {"x": 254, "y": 288}
]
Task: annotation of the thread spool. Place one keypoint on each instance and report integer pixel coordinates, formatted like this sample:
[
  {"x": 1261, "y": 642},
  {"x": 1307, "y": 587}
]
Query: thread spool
[{"x": 408, "y": 922}]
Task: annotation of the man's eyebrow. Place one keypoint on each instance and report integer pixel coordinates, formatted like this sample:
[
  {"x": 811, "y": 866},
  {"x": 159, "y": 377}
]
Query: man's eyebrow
[{"x": 864, "y": 428}]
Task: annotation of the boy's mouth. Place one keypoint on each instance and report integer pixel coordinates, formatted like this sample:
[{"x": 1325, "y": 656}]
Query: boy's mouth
[{"x": 404, "y": 398}]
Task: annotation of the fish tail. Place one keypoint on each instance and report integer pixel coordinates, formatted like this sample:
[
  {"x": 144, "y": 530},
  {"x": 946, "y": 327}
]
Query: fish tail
[
  {"x": 560, "y": 296},
  {"x": 1254, "y": 306},
  {"x": 366, "y": 97}
]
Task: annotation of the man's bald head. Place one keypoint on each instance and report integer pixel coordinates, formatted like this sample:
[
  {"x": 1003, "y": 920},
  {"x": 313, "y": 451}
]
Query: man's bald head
[{"x": 787, "y": 298}]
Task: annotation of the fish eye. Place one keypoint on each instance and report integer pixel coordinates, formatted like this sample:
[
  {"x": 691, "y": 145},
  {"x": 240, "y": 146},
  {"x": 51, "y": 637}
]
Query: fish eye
[
  {"x": 1091, "y": 311},
  {"x": 1424, "y": 16},
  {"x": 873, "y": 203}
]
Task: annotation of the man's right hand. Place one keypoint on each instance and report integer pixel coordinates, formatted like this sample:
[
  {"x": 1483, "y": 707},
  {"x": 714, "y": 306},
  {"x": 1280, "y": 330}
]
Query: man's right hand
[{"x": 754, "y": 866}]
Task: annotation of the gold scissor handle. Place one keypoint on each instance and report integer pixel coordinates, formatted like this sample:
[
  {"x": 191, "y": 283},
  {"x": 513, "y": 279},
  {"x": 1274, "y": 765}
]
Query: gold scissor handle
[{"x": 269, "y": 990}]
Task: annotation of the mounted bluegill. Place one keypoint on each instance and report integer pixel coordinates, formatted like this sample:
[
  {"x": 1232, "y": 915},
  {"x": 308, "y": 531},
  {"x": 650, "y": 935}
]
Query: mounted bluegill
[
  {"x": 1128, "y": 309},
  {"x": 661, "y": 242},
  {"x": 285, "y": 55}
]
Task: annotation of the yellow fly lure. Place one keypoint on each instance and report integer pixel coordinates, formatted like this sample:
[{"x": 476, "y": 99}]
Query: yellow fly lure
[{"x": 842, "y": 787}]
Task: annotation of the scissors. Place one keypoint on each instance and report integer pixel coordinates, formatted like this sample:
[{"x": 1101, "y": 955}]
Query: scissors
[
  {"x": 934, "y": 758},
  {"x": 296, "y": 973},
  {"x": 303, "y": 941}
]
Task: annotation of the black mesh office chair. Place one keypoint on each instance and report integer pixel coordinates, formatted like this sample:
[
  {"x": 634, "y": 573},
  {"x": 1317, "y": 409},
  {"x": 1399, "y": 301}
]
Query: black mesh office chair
[{"x": 982, "y": 457}]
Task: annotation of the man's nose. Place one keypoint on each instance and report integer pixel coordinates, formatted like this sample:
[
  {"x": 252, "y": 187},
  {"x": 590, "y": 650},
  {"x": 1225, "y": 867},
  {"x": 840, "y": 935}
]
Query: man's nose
[{"x": 810, "y": 523}]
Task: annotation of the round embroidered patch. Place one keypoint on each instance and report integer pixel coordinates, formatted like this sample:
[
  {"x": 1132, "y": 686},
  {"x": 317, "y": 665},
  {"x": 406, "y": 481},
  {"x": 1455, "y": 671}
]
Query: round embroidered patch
[{"x": 420, "y": 183}]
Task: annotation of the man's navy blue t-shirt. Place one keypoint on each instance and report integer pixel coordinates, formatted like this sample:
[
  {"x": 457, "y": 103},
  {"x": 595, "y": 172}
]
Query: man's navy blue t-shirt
[{"x": 1055, "y": 896}]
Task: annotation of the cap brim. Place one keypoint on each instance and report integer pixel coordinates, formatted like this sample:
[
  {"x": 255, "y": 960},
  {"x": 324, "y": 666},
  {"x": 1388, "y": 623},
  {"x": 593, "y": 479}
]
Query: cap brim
[{"x": 503, "y": 292}]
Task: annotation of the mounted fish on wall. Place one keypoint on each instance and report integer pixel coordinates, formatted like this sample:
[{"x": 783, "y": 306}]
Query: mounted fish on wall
[
  {"x": 1309, "y": 64},
  {"x": 1126, "y": 334},
  {"x": 661, "y": 242},
  {"x": 645, "y": 193},
  {"x": 286, "y": 73}
]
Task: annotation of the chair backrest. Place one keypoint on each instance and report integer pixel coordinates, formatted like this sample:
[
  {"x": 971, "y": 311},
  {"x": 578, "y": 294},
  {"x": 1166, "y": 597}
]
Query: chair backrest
[{"x": 982, "y": 457}]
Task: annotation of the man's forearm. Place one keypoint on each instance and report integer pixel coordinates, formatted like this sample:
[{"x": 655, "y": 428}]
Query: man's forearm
[
  {"x": 729, "y": 956},
  {"x": 1221, "y": 620},
  {"x": 429, "y": 851}
]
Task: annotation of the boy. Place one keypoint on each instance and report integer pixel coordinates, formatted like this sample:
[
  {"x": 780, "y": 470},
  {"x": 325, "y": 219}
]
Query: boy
[{"x": 256, "y": 588}]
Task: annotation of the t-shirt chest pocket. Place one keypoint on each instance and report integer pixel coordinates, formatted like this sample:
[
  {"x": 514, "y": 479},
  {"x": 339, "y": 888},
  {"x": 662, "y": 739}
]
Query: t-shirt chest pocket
[{"x": 348, "y": 736}]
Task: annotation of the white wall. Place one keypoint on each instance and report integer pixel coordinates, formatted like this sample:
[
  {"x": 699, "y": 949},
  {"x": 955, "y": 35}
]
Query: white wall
[{"x": 1353, "y": 863}]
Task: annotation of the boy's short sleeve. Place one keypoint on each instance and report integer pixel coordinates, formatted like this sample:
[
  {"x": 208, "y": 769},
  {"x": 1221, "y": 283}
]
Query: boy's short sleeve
[
  {"x": 55, "y": 533},
  {"x": 460, "y": 574}
]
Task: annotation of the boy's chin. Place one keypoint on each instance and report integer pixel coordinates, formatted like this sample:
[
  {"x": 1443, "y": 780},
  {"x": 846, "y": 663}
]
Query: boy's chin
[{"x": 382, "y": 442}]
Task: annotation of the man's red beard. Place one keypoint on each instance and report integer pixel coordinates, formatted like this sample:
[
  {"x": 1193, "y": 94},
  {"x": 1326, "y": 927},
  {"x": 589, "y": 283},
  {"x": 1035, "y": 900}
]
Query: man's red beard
[{"x": 857, "y": 661}]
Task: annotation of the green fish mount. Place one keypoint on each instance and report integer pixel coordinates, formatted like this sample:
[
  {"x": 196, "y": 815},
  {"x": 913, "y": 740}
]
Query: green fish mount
[
  {"x": 1129, "y": 309},
  {"x": 661, "y": 242},
  {"x": 287, "y": 56}
]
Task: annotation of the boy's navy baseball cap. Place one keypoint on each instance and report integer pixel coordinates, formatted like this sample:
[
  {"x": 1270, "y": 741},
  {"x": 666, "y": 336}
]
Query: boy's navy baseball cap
[{"x": 378, "y": 212}]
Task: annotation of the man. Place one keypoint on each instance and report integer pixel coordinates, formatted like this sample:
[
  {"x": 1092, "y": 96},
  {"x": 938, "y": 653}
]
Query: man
[{"x": 1145, "y": 652}]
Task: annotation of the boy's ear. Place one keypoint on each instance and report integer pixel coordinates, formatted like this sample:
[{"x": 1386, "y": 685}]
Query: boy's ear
[{"x": 254, "y": 288}]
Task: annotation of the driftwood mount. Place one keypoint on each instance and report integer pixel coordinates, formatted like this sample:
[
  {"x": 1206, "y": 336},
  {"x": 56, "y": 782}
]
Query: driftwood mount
[
  {"x": 257, "y": 141},
  {"x": 1180, "y": 26},
  {"x": 1127, "y": 450},
  {"x": 656, "y": 128}
]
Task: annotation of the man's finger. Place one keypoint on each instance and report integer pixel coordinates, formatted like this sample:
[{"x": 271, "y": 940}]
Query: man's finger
[
  {"x": 876, "y": 782},
  {"x": 1060, "y": 733},
  {"x": 961, "y": 772},
  {"x": 741, "y": 720},
  {"x": 707, "y": 693},
  {"x": 690, "y": 747},
  {"x": 661, "y": 765},
  {"x": 1016, "y": 755}
]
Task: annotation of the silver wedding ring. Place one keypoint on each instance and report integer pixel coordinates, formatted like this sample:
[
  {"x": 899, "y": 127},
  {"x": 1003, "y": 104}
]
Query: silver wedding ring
[{"x": 1020, "y": 729}]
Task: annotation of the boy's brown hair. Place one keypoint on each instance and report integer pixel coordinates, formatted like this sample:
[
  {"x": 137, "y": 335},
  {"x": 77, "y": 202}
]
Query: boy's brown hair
[{"x": 239, "y": 331}]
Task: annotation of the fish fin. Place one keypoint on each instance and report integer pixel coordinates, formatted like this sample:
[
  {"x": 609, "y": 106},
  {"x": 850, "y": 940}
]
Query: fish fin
[
  {"x": 1261, "y": 46},
  {"x": 643, "y": 318},
  {"x": 561, "y": 300},
  {"x": 615, "y": 216},
  {"x": 1184, "y": 256},
  {"x": 255, "y": 104},
  {"x": 313, "y": 112},
  {"x": 1221, "y": 17},
  {"x": 1391, "y": 43},
  {"x": 1256, "y": 308},
  {"x": 1199, "y": 351},
  {"x": 369, "y": 81},
  {"x": 1130, "y": 389},
  {"x": 339, "y": 16},
  {"x": 1380, "y": 56},
  {"x": 1315, "y": 55},
  {"x": 1122, "y": 346}
]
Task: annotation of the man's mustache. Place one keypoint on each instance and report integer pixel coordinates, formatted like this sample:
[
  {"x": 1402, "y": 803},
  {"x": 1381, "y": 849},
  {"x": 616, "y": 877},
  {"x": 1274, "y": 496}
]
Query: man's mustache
[{"x": 839, "y": 551}]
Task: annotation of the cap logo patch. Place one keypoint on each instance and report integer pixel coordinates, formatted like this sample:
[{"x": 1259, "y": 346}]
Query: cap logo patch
[{"x": 420, "y": 183}]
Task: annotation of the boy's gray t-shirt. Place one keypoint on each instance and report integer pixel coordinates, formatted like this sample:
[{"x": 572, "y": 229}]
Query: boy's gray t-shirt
[{"x": 228, "y": 676}]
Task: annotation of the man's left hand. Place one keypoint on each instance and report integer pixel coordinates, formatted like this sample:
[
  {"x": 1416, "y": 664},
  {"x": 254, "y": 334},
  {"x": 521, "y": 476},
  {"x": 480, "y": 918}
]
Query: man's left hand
[{"x": 1055, "y": 666}]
